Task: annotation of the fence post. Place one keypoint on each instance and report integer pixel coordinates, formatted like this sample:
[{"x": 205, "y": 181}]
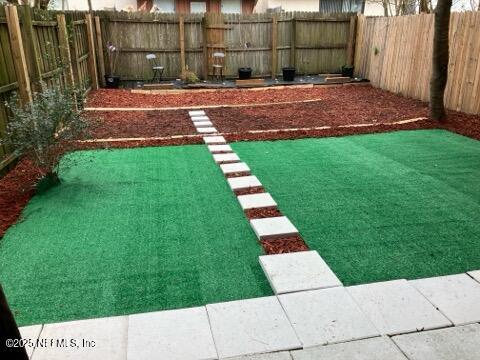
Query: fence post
[
  {"x": 101, "y": 60},
  {"x": 274, "y": 46},
  {"x": 65, "y": 49},
  {"x": 293, "y": 43},
  {"x": 32, "y": 52},
  {"x": 20, "y": 61},
  {"x": 92, "y": 61},
  {"x": 205, "y": 47},
  {"x": 181, "y": 32},
  {"x": 352, "y": 33}
]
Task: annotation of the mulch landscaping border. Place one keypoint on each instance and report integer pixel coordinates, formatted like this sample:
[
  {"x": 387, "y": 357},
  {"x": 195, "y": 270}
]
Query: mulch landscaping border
[{"x": 18, "y": 186}]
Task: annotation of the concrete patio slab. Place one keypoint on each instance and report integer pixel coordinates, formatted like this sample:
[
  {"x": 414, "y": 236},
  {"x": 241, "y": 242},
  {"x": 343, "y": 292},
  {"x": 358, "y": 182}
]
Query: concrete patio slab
[
  {"x": 196, "y": 112},
  {"x": 475, "y": 274},
  {"x": 30, "y": 334},
  {"x": 174, "y": 334},
  {"x": 222, "y": 158},
  {"x": 298, "y": 271},
  {"x": 203, "y": 124},
  {"x": 396, "y": 307},
  {"x": 254, "y": 201},
  {"x": 456, "y": 296},
  {"x": 243, "y": 182},
  {"x": 97, "y": 339},
  {"x": 234, "y": 168},
  {"x": 283, "y": 355},
  {"x": 326, "y": 316},
  {"x": 378, "y": 348},
  {"x": 454, "y": 343},
  {"x": 214, "y": 140},
  {"x": 251, "y": 326},
  {"x": 207, "y": 130},
  {"x": 273, "y": 227},
  {"x": 215, "y": 149}
]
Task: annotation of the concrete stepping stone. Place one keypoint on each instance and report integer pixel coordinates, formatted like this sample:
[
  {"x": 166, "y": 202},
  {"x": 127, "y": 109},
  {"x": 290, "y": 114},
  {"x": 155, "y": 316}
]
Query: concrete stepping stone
[
  {"x": 255, "y": 201},
  {"x": 98, "y": 339},
  {"x": 251, "y": 326},
  {"x": 203, "y": 124},
  {"x": 174, "y": 334},
  {"x": 222, "y": 158},
  {"x": 200, "y": 118},
  {"x": 454, "y": 343},
  {"x": 456, "y": 296},
  {"x": 206, "y": 130},
  {"x": 214, "y": 140},
  {"x": 215, "y": 149},
  {"x": 475, "y": 274},
  {"x": 30, "y": 334},
  {"x": 298, "y": 271},
  {"x": 378, "y": 348},
  {"x": 243, "y": 182},
  {"x": 326, "y": 316},
  {"x": 282, "y": 355},
  {"x": 273, "y": 227},
  {"x": 234, "y": 168},
  {"x": 396, "y": 307},
  {"x": 196, "y": 113}
]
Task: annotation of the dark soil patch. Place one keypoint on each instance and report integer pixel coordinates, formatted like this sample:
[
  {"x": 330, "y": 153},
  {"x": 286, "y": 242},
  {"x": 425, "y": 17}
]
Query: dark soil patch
[
  {"x": 251, "y": 190},
  {"x": 262, "y": 213},
  {"x": 238, "y": 174},
  {"x": 128, "y": 124},
  {"x": 284, "y": 245}
]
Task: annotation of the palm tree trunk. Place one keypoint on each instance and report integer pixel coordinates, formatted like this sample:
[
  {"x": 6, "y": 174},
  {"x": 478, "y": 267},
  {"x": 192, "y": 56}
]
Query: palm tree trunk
[
  {"x": 8, "y": 332},
  {"x": 440, "y": 56}
]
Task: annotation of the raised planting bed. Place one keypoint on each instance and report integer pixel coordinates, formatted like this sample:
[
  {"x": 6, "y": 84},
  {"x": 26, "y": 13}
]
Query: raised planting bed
[
  {"x": 378, "y": 207},
  {"x": 130, "y": 231}
]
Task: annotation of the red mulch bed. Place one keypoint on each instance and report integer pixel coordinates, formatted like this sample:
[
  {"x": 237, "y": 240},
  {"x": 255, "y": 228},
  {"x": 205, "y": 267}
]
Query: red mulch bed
[
  {"x": 463, "y": 124},
  {"x": 284, "y": 245},
  {"x": 339, "y": 106},
  {"x": 299, "y": 134},
  {"x": 125, "y": 98},
  {"x": 128, "y": 124},
  {"x": 262, "y": 212},
  {"x": 251, "y": 190},
  {"x": 16, "y": 189}
]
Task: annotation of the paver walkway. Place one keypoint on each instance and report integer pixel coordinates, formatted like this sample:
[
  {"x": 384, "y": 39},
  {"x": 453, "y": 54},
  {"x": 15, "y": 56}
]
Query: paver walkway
[{"x": 312, "y": 317}]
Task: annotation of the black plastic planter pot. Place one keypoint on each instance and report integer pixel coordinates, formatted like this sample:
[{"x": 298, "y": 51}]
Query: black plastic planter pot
[
  {"x": 347, "y": 71},
  {"x": 112, "y": 82},
  {"x": 288, "y": 73},
  {"x": 244, "y": 73}
]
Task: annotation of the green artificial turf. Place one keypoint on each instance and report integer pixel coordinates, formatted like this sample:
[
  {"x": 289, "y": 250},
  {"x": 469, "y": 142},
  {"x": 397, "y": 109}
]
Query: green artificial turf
[
  {"x": 130, "y": 231},
  {"x": 382, "y": 206}
]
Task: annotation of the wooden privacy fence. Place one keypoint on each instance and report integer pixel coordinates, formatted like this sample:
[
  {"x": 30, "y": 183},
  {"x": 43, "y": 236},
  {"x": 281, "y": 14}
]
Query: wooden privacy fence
[
  {"x": 395, "y": 54},
  {"x": 42, "y": 47},
  {"x": 312, "y": 42}
]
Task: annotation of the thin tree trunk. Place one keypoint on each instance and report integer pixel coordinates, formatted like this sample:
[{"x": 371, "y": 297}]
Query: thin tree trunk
[
  {"x": 440, "y": 56},
  {"x": 424, "y": 6},
  {"x": 90, "y": 5},
  {"x": 385, "y": 7},
  {"x": 8, "y": 332}
]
